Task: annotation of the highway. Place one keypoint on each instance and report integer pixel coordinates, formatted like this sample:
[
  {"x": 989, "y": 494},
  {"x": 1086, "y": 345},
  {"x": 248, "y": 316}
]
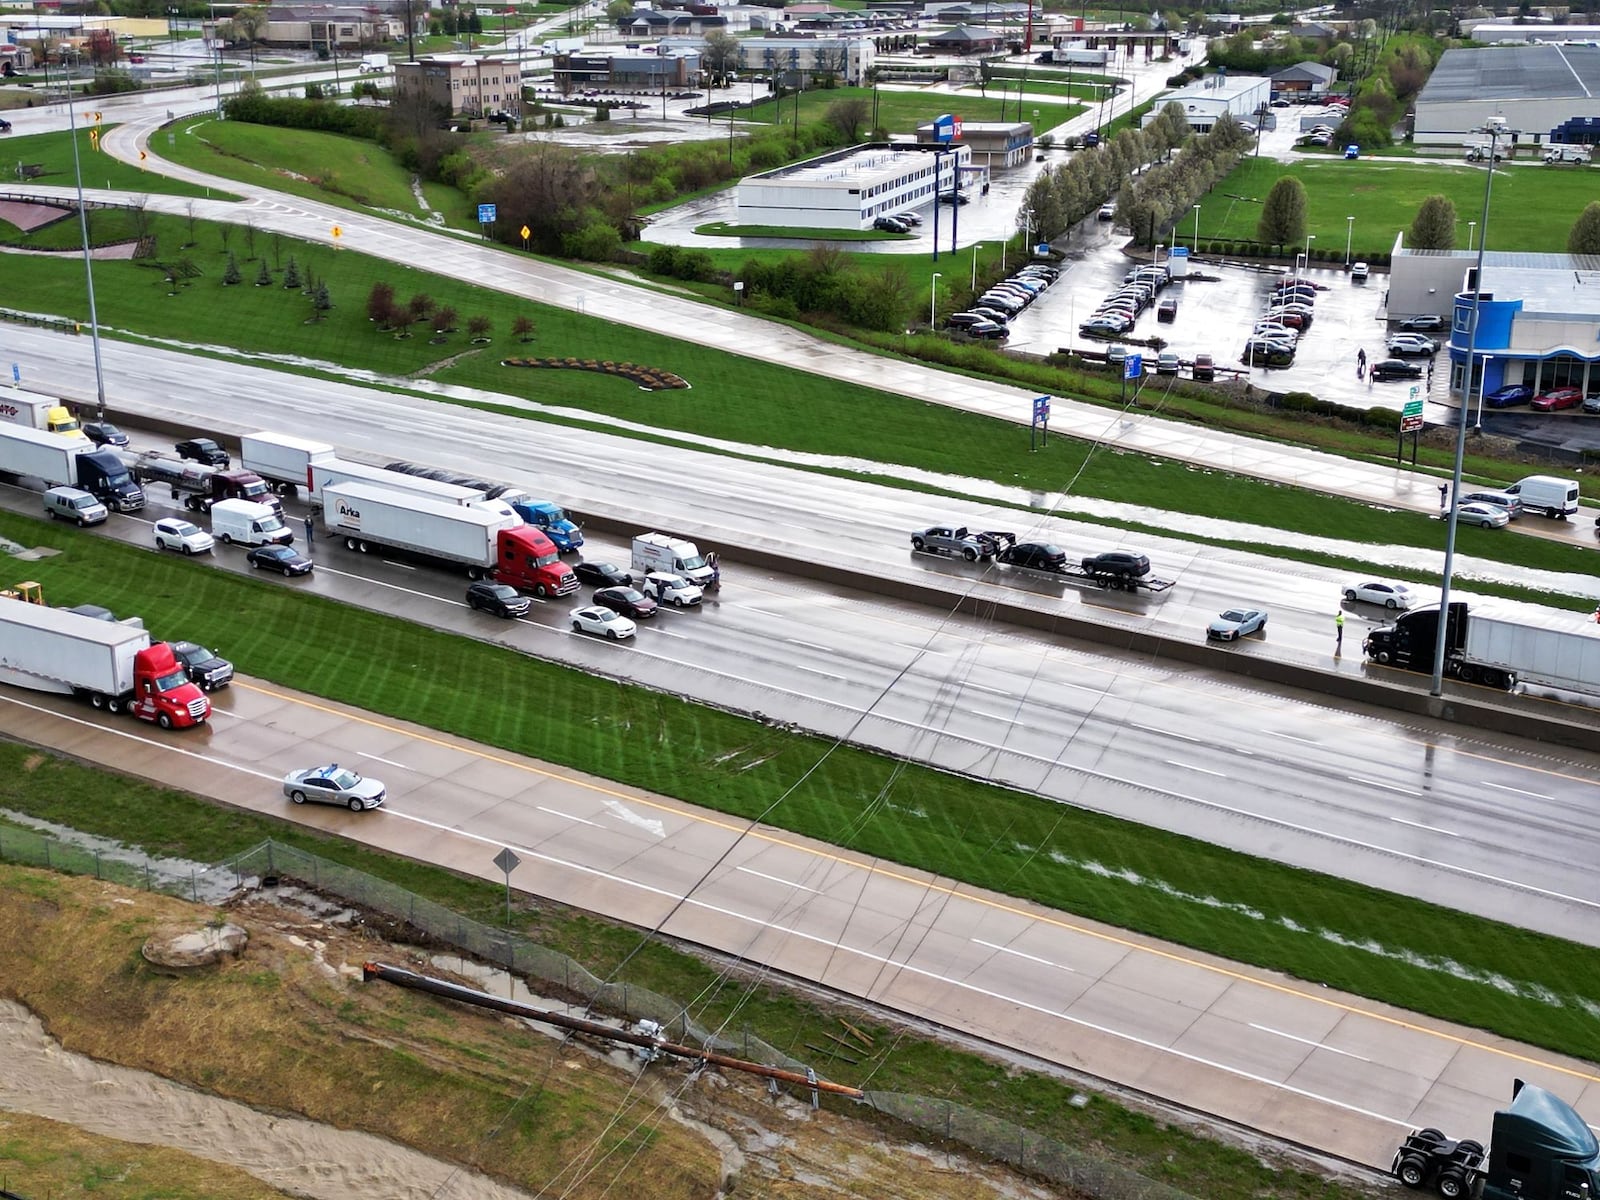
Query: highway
[{"x": 1400, "y": 803}]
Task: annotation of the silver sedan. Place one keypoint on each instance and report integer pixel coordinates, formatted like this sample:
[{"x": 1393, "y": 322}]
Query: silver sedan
[{"x": 1236, "y": 623}]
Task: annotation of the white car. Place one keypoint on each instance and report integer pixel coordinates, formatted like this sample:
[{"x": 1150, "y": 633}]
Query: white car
[
  {"x": 1484, "y": 516},
  {"x": 1390, "y": 595},
  {"x": 174, "y": 533},
  {"x": 665, "y": 588},
  {"x": 1412, "y": 343},
  {"x": 608, "y": 624}
]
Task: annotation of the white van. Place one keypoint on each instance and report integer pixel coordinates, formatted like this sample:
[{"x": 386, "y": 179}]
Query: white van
[
  {"x": 248, "y": 524},
  {"x": 73, "y": 504},
  {"x": 1547, "y": 494},
  {"x": 670, "y": 556}
]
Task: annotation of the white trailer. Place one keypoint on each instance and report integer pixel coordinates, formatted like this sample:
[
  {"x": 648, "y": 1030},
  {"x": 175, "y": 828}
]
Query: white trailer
[
  {"x": 1563, "y": 653},
  {"x": 367, "y": 516},
  {"x": 21, "y": 407},
  {"x": 281, "y": 459},
  {"x": 53, "y": 650},
  {"x": 33, "y": 452},
  {"x": 331, "y": 471}
]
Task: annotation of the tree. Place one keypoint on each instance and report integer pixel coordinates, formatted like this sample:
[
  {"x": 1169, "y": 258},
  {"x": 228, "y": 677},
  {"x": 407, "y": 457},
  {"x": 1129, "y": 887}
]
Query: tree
[
  {"x": 478, "y": 328},
  {"x": 1585, "y": 235},
  {"x": 444, "y": 320},
  {"x": 230, "y": 273},
  {"x": 847, "y": 116},
  {"x": 264, "y": 275},
  {"x": 291, "y": 274},
  {"x": 421, "y": 306},
  {"x": 322, "y": 300},
  {"x": 1435, "y": 225},
  {"x": 523, "y": 326},
  {"x": 1283, "y": 215},
  {"x": 720, "y": 58},
  {"x": 380, "y": 304}
]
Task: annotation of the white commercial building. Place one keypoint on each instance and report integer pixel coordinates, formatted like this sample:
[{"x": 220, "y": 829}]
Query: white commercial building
[
  {"x": 1206, "y": 99},
  {"x": 1545, "y": 93},
  {"x": 849, "y": 189},
  {"x": 803, "y": 61}
]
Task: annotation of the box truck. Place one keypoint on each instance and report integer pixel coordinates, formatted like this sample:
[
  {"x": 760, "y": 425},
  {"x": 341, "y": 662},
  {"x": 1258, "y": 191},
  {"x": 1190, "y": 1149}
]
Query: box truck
[
  {"x": 674, "y": 556},
  {"x": 1498, "y": 652},
  {"x": 29, "y": 409},
  {"x": 282, "y": 459},
  {"x": 486, "y": 544},
  {"x": 248, "y": 524},
  {"x": 57, "y": 461},
  {"x": 112, "y": 665},
  {"x": 1567, "y": 154},
  {"x": 197, "y": 485},
  {"x": 542, "y": 514},
  {"x": 374, "y": 64}
]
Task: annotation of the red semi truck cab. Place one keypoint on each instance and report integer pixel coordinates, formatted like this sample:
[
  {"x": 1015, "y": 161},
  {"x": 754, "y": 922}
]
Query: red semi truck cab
[
  {"x": 528, "y": 561},
  {"x": 162, "y": 692}
]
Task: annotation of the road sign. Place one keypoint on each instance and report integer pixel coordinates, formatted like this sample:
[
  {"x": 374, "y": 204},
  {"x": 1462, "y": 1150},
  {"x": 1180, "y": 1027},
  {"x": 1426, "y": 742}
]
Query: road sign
[
  {"x": 1133, "y": 366},
  {"x": 1411, "y": 415},
  {"x": 486, "y": 214},
  {"x": 16, "y": 372},
  {"x": 526, "y": 232},
  {"x": 1041, "y": 410},
  {"x": 507, "y": 861}
]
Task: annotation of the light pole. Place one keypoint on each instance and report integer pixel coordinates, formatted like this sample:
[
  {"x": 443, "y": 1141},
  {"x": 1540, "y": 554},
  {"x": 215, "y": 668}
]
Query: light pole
[
  {"x": 1472, "y": 228},
  {"x": 1194, "y": 247},
  {"x": 88, "y": 262},
  {"x": 1310, "y": 237},
  {"x": 1349, "y": 232},
  {"x": 933, "y": 298},
  {"x": 1483, "y": 386},
  {"x": 1027, "y": 227},
  {"x": 1494, "y": 129}
]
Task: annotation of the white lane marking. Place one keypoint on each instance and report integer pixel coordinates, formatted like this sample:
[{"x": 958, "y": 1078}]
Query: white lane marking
[
  {"x": 1303, "y": 741},
  {"x": 1308, "y": 1042},
  {"x": 1182, "y": 737},
  {"x": 625, "y": 814},
  {"x": 387, "y": 761},
  {"x": 555, "y": 812},
  {"x": 993, "y": 691},
  {"x": 222, "y": 712},
  {"x": 1388, "y": 787},
  {"x": 884, "y": 960},
  {"x": 788, "y": 883},
  {"x": 1504, "y": 788},
  {"x": 1420, "y": 825},
  {"x": 812, "y": 646},
  {"x": 1183, "y": 766},
  {"x": 1043, "y": 962}
]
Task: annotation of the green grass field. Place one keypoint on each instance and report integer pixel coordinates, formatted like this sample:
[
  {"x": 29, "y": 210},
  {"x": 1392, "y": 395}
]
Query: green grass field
[
  {"x": 53, "y": 152},
  {"x": 1531, "y": 208},
  {"x": 901, "y": 112},
  {"x": 1089, "y": 92},
  {"x": 1314, "y": 927}
]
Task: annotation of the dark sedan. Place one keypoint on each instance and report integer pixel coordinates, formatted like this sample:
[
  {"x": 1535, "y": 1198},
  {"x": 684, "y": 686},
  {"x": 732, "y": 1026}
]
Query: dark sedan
[
  {"x": 499, "y": 599},
  {"x": 283, "y": 559},
  {"x": 1508, "y": 397},
  {"x": 630, "y": 602},
  {"x": 104, "y": 433},
  {"x": 1041, "y": 556},
  {"x": 1394, "y": 368},
  {"x": 601, "y": 574}
]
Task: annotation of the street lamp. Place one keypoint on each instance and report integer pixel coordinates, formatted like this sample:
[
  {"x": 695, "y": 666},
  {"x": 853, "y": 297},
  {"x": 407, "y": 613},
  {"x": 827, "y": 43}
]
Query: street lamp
[
  {"x": 1349, "y": 232},
  {"x": 1027, "y": 227},
  {"x": 1472, "y": 228},
  {"x": 1194, "y": 247},
  {"x": 933, "y": 298},
  {"x": 1155, "y": 259},
  {"x": 1310, "y": 237},
  {"x": 1495, "y": 128}
]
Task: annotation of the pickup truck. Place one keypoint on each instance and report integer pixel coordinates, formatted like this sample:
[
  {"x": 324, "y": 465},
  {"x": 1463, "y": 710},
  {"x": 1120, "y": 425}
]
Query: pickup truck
[{"x": 959, "y": 541}]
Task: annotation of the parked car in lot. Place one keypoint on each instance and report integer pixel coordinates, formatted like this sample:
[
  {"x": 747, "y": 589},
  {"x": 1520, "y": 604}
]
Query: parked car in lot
[
  {"x": 104, "y": 433},
  {"x": 1485, "y": 516},
  {"x": 1106, "y": 325},
  {"x": 334, "y": 784},
  {"x": 1205, "y": 368},
  {"x": 630, "y": 602},
  {"x": 602, "y": 574},
  {"x": 174, "y": 533},
  {"x": 988, "y": 330},
  {"x": 1557, "y": 399},
  {"x": 612, "y": 626},
  {"x": 285, "y": 560},
  {"x": 1508, "y": 397},
  {"x": 1359, "y": 272},
  {"x": 1412, "y": 343},
  {"x": 1167, "y": 310},
  {"x": 954, "y": 198},
  {"x": 1591, "y": 404},
  {"x": 1258, "y": 353},
  {"x": 1167, "y": 363},
  {"x": 497, "y": 599},
  {"x": 992, "y": 314},
  {"x": 202, "y": 450},
  {"x": 908, "y": 218},
  {"x": 1234, "y": 623},
  {"x": 1376, "y": 591},
  {"x": 1426, "y": 323},
  {"x": 891, "y": 225},
  {"x": 1395, "y": 368},
  {"x": 963, "y": 320}
]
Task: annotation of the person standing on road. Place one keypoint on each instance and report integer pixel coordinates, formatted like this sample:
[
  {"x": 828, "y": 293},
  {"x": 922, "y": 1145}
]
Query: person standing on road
[
  {"x": 1361, "y": 362},
  {"x": 1338, "y": 632},
  {"x": 311, "y": 531},
  {"x": 1444, "y": 498}
]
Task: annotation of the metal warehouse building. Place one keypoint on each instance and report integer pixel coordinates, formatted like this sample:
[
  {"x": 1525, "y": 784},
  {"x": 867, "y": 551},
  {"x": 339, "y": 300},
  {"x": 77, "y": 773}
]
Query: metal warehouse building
[
  {"x": 850, "y": 188},
  {"x": 1545, "y": 93}
]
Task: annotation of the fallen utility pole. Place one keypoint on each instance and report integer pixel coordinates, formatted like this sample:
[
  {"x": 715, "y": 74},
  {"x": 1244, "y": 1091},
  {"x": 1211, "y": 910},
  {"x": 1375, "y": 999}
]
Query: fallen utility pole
[{"x": 455, "y": 991}]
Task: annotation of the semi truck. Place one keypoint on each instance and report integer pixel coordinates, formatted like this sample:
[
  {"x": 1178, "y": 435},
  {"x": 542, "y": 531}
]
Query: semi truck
[
  {"x": 332, "y": 471},
  {"x": 1539, "y": 1149},
  {"x": 33, "y": 411},
  {"x": 487, "y": 544},
  {"x": 1493, "y": 651},
  {"x": 542, "y": 514},
  {"x": 282, "y": 459},
  {"x": 111, "y": 664},
  {"x": 197, "y": 485},
  {"x": 56, "y": 460}
]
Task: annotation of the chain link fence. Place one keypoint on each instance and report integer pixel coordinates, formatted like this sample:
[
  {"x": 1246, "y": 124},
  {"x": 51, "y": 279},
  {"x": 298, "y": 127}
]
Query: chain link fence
[{"x": 951, "y": 1124}]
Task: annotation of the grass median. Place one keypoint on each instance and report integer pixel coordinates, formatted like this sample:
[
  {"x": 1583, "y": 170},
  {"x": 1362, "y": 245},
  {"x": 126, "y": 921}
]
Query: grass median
[{"x": 1418, "y": 956}]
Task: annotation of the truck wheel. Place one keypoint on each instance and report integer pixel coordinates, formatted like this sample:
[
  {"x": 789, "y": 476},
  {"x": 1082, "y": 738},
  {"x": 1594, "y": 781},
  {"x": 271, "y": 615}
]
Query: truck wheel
[
  {"x": 970, "y": 554},
  {"x": 474, "y": 574},
  {"x": 113, "y": 704},
  {"x": 227, "y": 539},
  {"x": 916, "y": 542},
  {"x": 349, "y": 543},
  {"x": 1432, "y": 1135},
  {"x": 96, "y": 700},
  {"x": 164, "y": 721},
  {"x": 1468, "y": 1146},
  {"x": 1382, "y": 656},
  {"x": 1467, "y": 673},
  {"x": 298, "y": 797},
  {"x": 51, "y": 513},
  {"x": 538, "y": 590},
  {"x": 1413, "y": 1171},
  {"x": 1452, "y": 1184},
  {"x": 364, "y": 547}
]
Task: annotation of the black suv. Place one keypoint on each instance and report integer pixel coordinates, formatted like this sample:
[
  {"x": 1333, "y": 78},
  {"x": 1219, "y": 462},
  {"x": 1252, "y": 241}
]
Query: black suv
[
  {"x": 1125, "y": 564},
  {"x": 891, "y": 225},
  {"x": 203, "y": 450},
  {"x": 500, "y": 599},
  {"x": 104, "y": 433},
  {"x": 1041, "y": 556},
  {"x": 202, "y": 666}
]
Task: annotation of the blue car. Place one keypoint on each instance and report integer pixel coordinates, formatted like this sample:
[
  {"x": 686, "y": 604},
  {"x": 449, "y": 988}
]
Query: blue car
[{"x": 1506, "y": 397}]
